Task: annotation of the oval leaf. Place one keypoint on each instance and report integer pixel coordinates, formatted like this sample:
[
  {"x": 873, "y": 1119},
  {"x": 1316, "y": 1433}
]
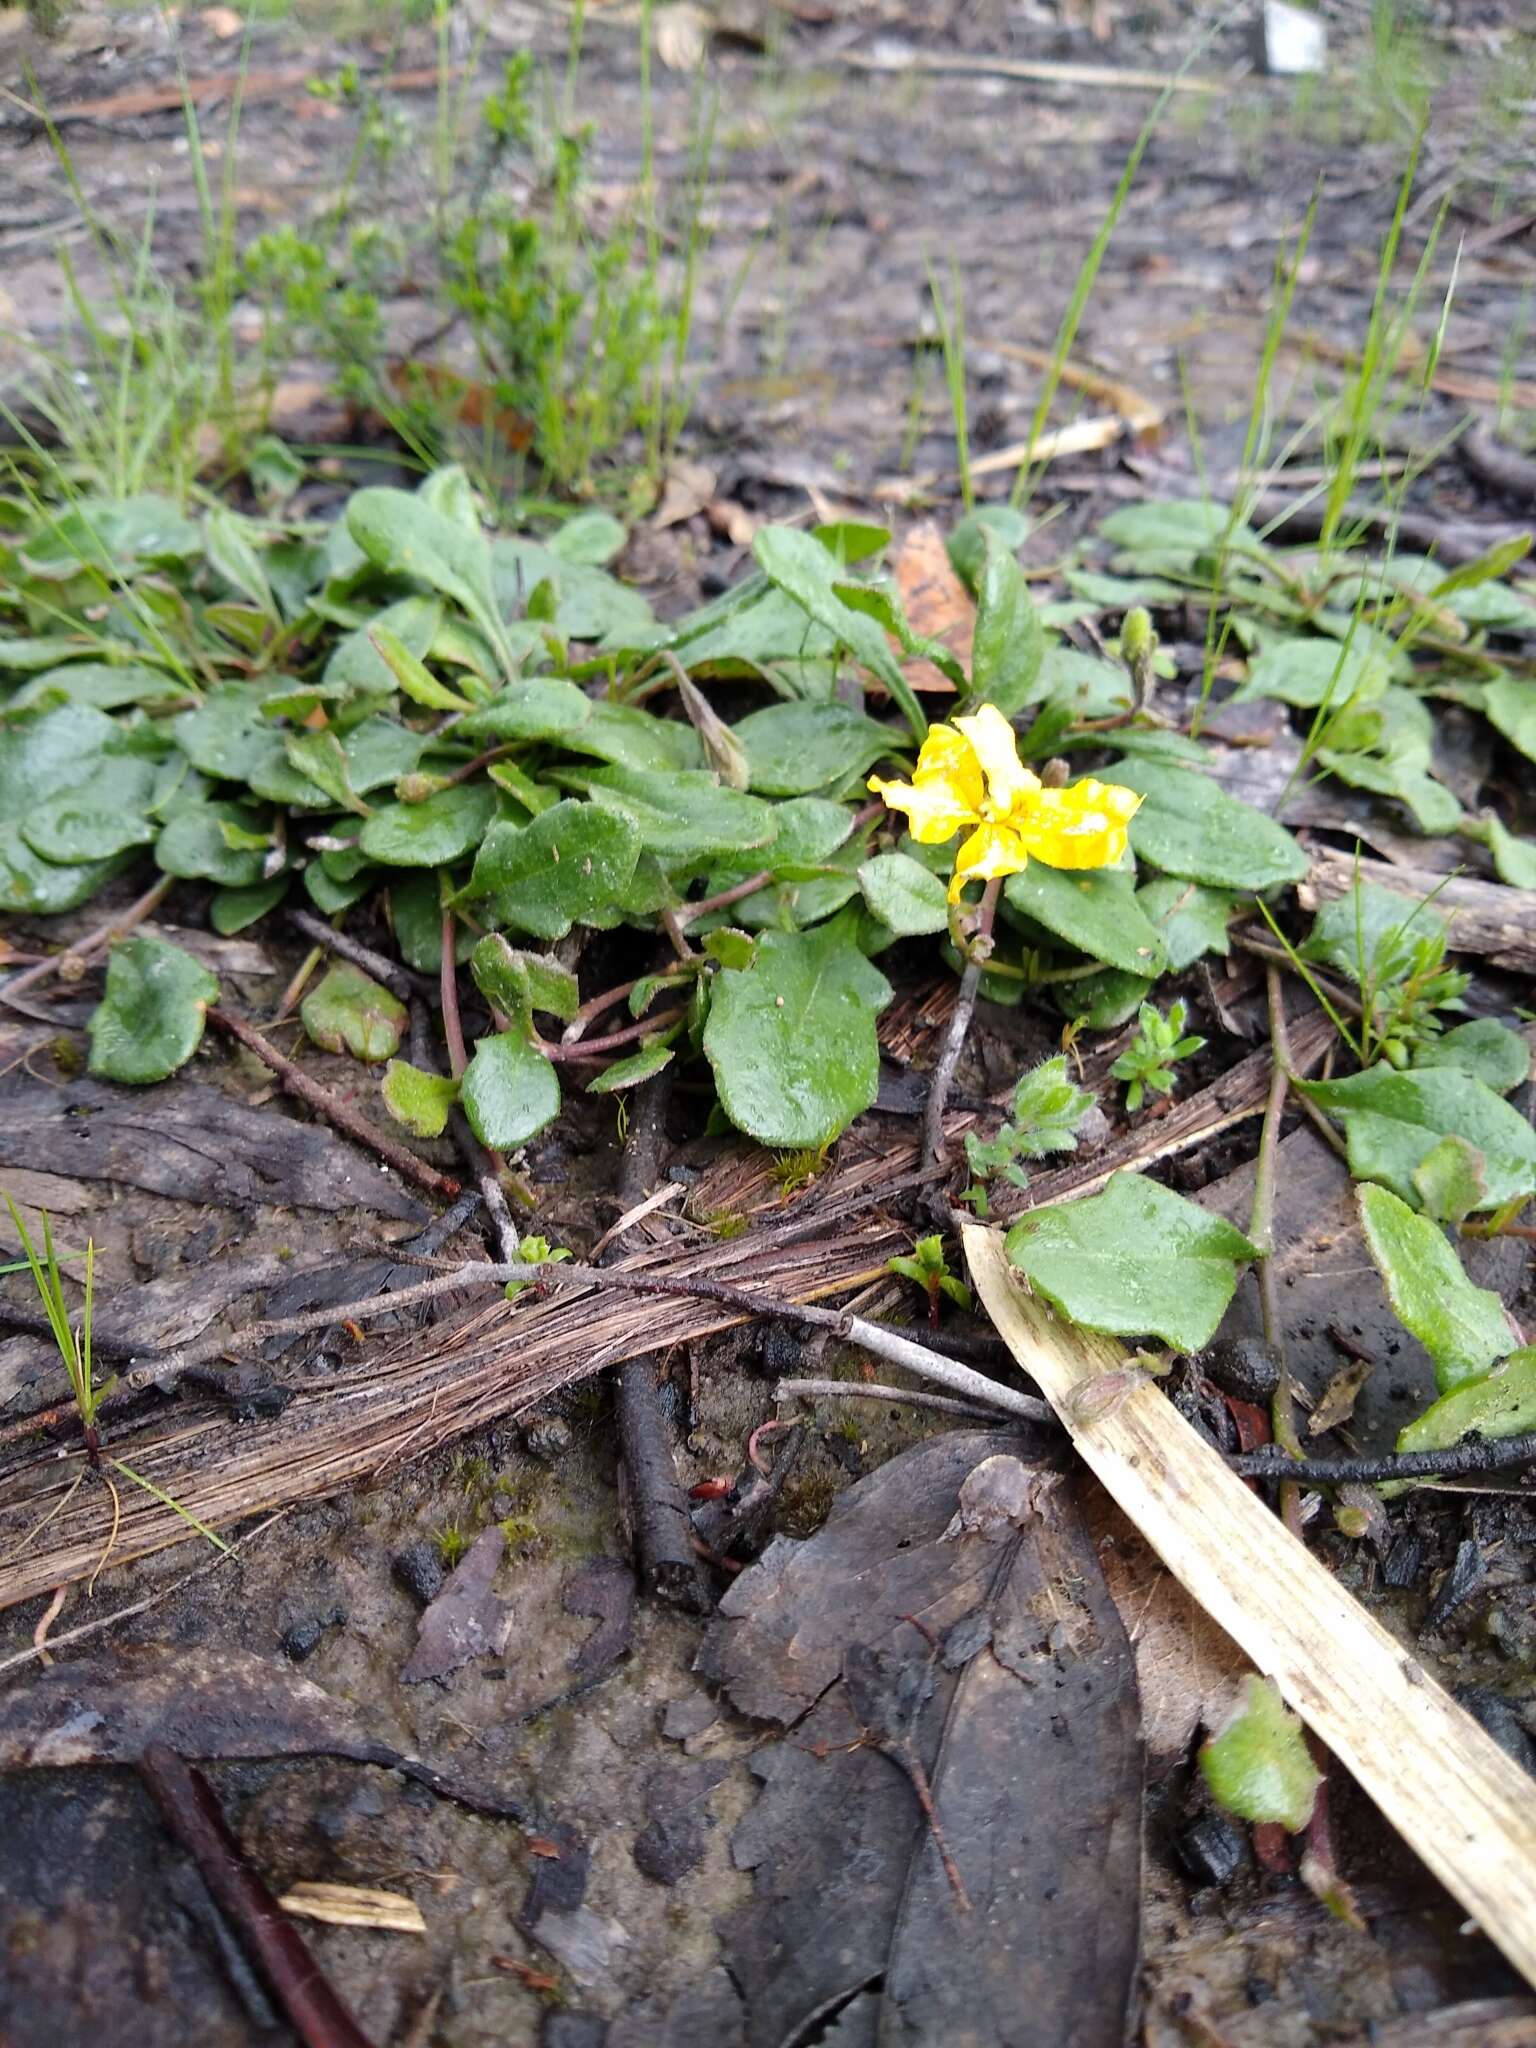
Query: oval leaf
[
  {"x": 509, "y": 1091},
  {"x": 349, "y": 1012},
  {"x": 150, "y": 1018}
]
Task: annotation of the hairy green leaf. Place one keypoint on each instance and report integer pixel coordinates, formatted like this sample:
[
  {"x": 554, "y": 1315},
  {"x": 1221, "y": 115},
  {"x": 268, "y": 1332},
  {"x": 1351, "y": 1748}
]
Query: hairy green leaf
[
  {"x": 152, "y": 1011},
  {"x": 1463, "y": 1328}
]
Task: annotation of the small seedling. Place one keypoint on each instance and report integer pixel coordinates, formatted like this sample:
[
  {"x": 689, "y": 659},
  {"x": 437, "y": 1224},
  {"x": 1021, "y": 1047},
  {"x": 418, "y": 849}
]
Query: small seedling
[
  {"x": 535, "y": 1251},
  {"x": 1047, "y": 1110},
  {"x": 930, "y": 1269},
  {"x": 1149, "y": 1060},
  {"x": 74, "y": 1345}
]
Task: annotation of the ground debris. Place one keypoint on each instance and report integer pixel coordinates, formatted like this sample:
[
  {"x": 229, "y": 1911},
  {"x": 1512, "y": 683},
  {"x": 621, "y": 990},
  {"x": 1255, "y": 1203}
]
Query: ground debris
[
  {"x": 1028, "y": 1742},
  {"x": 466, "y": 1620}
]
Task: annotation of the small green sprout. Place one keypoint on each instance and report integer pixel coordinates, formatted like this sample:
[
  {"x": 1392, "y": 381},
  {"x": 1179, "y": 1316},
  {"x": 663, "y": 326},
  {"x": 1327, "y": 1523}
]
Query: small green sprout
[
  {"x": 1047, "y": 1109},
  {"x": 535, "y": 1251},
  {"x": 1148, "y": 1061},
  {"x": 74, "y": 1346},
  {"x": 929, "y": 1268}
]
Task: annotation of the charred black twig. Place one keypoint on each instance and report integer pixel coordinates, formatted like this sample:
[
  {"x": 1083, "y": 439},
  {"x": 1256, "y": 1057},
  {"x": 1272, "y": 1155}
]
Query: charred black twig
[
  {"x": 663, "y": 1528},
  {"x": 397, "y": 979},
  {"x": 333, "y": 1109},
  {"x": 191, "y": 1813},
  {"x": 1498, "y": 1454}
]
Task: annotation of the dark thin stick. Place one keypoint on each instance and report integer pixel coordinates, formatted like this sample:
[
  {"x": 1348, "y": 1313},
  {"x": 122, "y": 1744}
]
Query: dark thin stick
[
  {"x": 397, "y": 979},
  {"x": 1276, "y": 956},
  {"x": 334, "y": 1110},
  {"x": 663, "y": 1527},
  {"x": 1500, "y": 1454},
  {"x": 663, "y": 1531},
  {"x": 73, "y": 958},
  {"x": 959, "y": 1025},
  {"x": 295, "y": 1979},
  {"x": 972, "y": 1348}
]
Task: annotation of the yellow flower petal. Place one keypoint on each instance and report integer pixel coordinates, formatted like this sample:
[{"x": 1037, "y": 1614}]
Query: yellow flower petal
[
  {"x": 990, "y": 850},
  {"x": 992, "y": 738},
  {"x": 1080, "y": 827},
  {"x": 935, "y": 810},
  {"x": 947, "y": 756}
]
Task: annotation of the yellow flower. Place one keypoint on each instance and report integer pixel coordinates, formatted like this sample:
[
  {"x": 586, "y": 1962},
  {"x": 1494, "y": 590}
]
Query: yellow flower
[{"x": 969, "y": 773}]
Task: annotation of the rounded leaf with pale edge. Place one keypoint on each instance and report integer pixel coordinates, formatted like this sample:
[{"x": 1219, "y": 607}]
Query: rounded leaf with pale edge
[
  {"x": 1463, "y": 1328},
  {"x": 1136, "y": 1260},
  {"x": 509, "y": 1091},
  {"x": 151, "y": 1015},
  {"x": 791, "y": 1038}
]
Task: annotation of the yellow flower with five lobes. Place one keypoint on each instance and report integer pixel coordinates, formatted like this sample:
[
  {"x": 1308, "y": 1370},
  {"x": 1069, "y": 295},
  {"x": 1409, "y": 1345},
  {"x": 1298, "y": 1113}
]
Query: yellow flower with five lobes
[{"x": 970, "y": 774}]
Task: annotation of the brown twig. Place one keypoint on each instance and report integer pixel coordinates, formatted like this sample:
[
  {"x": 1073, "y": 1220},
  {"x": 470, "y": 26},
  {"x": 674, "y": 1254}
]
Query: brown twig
[
  {"x": 1276, "y": 956},
  {"x": 871, "y": 1390},
  {"x": 687, "y": 912},
  {"x": 959, "y": 1025},
  {"x": 448, "y": 975},
  {"x": 592, "y": 1048},
  {"x": 191, "y": 1813},
  {"x": 334, "y": 1110},
  {"x": 852, "y": 1329},
  {"x": 73, "y": 958},
  {"x": 1498, "y": 1454},
  {"x": 397, "y": 979},
  {"x": 1262, "y": 1231}
]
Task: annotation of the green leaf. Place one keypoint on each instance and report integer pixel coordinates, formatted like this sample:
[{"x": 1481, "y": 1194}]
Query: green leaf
[
  {"x": 591, "y": 537},
  {"x": 416, "y": 913},
  {"x": 509, "y": 1091},
  {"x": 109, "y": 686},
  {"x": 405, "y": 536},
  {"x": 349, "y": 1012},
  {"x": 1102, "y": 1001},
  {"x": 193, "y": 846},
  {"x": 1189, "y": 826},
  {"x": 802, "y": 567},
  {"x": 793, "y": 749},
  {"x": 629, "y": 1073},
  {"x": 1368, "y": 933},
  {"x": 151, "y": 1015},
  {"x": 1514, "y": 860},
  {"x": 791, "y": 1038},
  {"x": 537, "y": 708},
  {"x": 228, "y": 547},
  {"x": 630, "y": 737},
  {"x": 1485, "y": 1048},
  {"x": 232, "y": 910},
  {"x": 1510, "y": 705},
  {"x": 1172, "y": 534},
  {"x": 1009, "y": 642},
  {"x": 356, "y": 667},
  {"x": 1258, "y": 1765},
  {"x": 1449, "y": 1180},
  {"x": 97, "y": 819},
  {"x": 569, "y": 864},
  {"x": 1093, "y": 909},
  {"x": 685, "y": 815},
  {"x": 434, "y": 833},
  {"x": 1191, "y": 919},
  {"x": 967, "y": 545},
  {"x": 1463, "y": 1328},
  {"x": 1501, "y": 1403},
  {"x": 1136, "y": 1260},
  {"x": 417, "y": 1099},
  {"x": 1400, "y": 774},
  {"x": 903, "y": 895},
  {"x": 319, "y": 758},
  {"x": 413, "y": 675},
  {"x": 519, "y": 983},
  {"x": 1391, "y": 1120},
  {"x": 1314, "y": 672}
]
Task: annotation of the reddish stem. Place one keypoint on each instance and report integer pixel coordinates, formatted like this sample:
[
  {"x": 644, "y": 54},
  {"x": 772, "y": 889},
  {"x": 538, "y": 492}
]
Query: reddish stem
[
  {"x": 587, "y": 1048},
  {"x": 335, "y": 1111},
  {"x": 273, "y": 1943},
  {"x": 453, "y": 1030},
  {"x": 606, "y": 1001},
  {"x": 74, "y": 957}
]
